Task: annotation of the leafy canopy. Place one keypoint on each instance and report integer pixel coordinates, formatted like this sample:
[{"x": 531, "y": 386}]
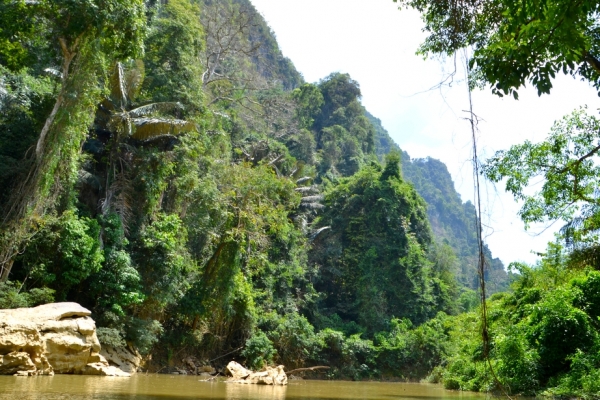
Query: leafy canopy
[
  {"x": 372, "y": 259},
  {"x": 118, "y": 26},
  {"x": 515, "y": 42},
  {"x": 567, "y": 163}
]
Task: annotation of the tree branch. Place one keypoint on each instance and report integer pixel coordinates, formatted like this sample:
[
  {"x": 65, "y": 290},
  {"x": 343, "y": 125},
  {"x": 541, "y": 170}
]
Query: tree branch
[
  {"x": 307, "y": 369},
  {"x": 579, "y": 161}
]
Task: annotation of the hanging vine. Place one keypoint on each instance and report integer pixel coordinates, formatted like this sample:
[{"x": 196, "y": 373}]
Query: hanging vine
[
  {"x": 87, "y": 36},
  {"x": 481, "y": 261}
]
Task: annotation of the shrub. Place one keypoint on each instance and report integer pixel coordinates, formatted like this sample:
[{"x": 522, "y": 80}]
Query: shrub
[
  {"x": 64, "y": 252},
  {"x": 589, "y": 301},
  {"x": 11, "y": 296},
  {"x": 143, "y": 333},
  {"x": 349, "y": 357},
  {"x": 294, "y": 339},
  {"x": 110, "y": 337},
  {"x": 259, "y": 351},
  {"x": 517, "y": 364},
  {"x": 558, "y": 330}
]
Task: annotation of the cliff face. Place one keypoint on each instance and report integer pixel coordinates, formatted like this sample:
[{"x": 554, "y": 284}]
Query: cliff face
[{"x": 52, "y": 338}]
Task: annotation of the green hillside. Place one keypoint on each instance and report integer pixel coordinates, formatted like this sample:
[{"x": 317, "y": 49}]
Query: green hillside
[
  {"x": 452, "y": 221},
  {"x": 177, "y": 176}
]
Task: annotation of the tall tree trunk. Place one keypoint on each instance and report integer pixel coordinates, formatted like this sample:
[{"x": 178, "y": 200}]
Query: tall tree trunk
[
  {"x": 68, "y": 55},
  {"x": 33, "y": 195},
  {"x": 5, "y": 268}
]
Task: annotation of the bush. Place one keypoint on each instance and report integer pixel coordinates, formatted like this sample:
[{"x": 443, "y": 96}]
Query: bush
[
  {"x": 351, "y": 357},
  {"x": 64, "y": 252},
  {"x": 110, "y": 337},
  {"x": 468, "y": 300},
  {"x": 589, "y": 301},
  {"x": 143, "y": 333},
  {"x": 12, "y": 297},
  {"x": 517, "y": 364},
  {"x": 558, "y": 330},
  {"x": 410, "y": 352},
  {"x": 583, "y": 378},
  {"x": 294, "y": 339},
  {"x": 259, "y": 351}
]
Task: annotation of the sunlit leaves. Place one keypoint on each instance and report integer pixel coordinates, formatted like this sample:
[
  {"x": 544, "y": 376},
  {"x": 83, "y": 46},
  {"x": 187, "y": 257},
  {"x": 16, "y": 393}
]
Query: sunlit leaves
[
  {"x": 515, "y": 42},
  {"x": 566, "y": 165},
  {"x": 373, "y": 263}
]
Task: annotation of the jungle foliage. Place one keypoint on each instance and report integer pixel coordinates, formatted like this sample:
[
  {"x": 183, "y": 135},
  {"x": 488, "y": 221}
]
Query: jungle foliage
[
  {"x": 452, "y": 221},
  {"x": 171, "y": 171},
  {"x": 515, "y": 42},
  {"x": 543, "y": 335}
]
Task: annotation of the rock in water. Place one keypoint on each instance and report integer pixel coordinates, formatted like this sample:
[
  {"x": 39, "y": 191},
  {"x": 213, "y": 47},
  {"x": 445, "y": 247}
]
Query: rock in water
[
  {"x": 126, "y": 359},
  {"x": 237, "y": 371},
  {"x": 52, "y": 338},
  {"x": 270, "y": 376}
]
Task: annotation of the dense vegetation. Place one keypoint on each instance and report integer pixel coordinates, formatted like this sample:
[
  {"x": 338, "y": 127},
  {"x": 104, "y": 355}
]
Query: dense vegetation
[
  {"x": 542, "y": 336},
  {"x": 213, "y": 207},
  {"x": 170, "y": 170},
  {"x": 452, "y": 221}
]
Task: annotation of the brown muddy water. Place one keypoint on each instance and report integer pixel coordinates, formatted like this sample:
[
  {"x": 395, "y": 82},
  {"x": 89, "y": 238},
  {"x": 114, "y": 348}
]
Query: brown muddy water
[{"x": 162, "y": 387}]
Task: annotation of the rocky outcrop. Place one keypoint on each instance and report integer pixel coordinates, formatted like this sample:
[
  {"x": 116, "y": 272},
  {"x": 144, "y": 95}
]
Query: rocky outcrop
[
  {"x": 124, "y": 358},
  {"x": 52, "y": 338},
  {"x": 270, "y": 376}
]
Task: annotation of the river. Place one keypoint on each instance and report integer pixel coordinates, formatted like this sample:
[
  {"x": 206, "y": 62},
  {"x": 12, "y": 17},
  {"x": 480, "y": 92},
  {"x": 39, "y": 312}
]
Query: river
[{"x": 161, "y": 387}]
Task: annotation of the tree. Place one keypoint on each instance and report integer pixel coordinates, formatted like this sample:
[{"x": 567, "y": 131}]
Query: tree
[
  {"x": 567, "y": 163},
  {"x": 116, "y": 26},
  {"x": 345, "y": 138},
  {"x": 229, "y": 76},
  {"x": 373, "y": 259},
  {"x": 172, "y": 51},
  {"x": 250, "y": 252},
  {"x": 515, "y": 42},
  {"x": 121, "y": 127},
  {"x": 81, "y": 36}
]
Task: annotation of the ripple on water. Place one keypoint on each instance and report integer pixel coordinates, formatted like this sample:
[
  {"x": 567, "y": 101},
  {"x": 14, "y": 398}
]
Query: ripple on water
[{"x": 162, "y": 387}]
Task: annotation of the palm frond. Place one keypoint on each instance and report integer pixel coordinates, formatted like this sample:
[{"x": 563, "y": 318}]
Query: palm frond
[
  {"x": 307, "y": 189},
  {"x": 118, "y": 85},
  {"x": 146, "y": 128},
  {"x": 312, "y": 206},
  {"x": 134, "y": 78},
  {"x": 120, "y": 122},
  {"x": 119, "y": 199},
  {"x": 155, "y": 107},
  {"x": 585, "y": 257},
  {"x": 107, "y": 106},
  {"x": 316, "y": 233},
  {"x": 311, "y": 199}
]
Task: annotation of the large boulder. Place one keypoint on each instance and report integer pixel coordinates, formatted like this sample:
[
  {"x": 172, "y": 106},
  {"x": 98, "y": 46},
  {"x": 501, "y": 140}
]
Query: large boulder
[
  {"x": 270, "y": 376},
  {"x": 52, "y": 338},
  {"x": 124, "y": 358}
]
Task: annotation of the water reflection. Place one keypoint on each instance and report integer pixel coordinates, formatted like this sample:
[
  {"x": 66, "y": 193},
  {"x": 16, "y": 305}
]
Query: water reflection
[
  {"x": 162, "y": 387},
  {"x": 235, "y": 391}
]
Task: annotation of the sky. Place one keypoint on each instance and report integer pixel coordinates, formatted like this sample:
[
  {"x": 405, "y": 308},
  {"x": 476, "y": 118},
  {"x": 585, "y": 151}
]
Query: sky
[{"x": 376, "y": 43}]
